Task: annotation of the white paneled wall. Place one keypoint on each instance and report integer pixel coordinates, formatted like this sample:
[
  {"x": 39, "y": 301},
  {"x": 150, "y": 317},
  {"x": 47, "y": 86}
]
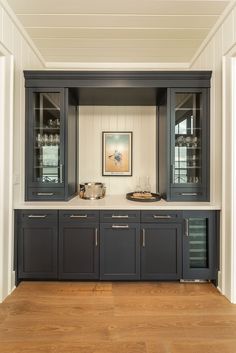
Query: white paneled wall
[
  {"x": 211, "y": 57},
  {"x": 138, "y": 119},
  {"x": 17, "y": 48},
  {"x": 25, "y": 58}
]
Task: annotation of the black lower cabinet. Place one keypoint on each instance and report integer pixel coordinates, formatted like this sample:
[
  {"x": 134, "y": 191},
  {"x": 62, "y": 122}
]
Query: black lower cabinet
[
  {"x": 37, "y": 245},
  {"x": 120, "y": 251},
  {"x": 161, "y": 251},
  {"x": 200, "y": 245},
  {"x": 78, "y": 245},
  {"x": 74, "y": 245},
  {"x": 78, "y": 252}
]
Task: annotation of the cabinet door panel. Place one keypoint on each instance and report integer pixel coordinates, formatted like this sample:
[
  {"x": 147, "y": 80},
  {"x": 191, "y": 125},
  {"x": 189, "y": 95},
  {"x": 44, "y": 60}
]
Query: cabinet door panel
[
  {"x": 37, "y": 245},
  {"x": 199, "y": 245},
  {"x": 119, "y": 252},
  {"x": 161, "y": 255},
  {"x": 78, "y": 251}
]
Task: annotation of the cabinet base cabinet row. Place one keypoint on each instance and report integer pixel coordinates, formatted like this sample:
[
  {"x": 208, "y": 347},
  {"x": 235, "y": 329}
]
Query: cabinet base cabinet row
[{"x": 76, "y": 246}]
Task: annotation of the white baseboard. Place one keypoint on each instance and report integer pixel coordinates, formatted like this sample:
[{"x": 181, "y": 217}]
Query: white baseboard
[
  {"x": 13, "y": 281},
  {"x": 219, "y": 286}
]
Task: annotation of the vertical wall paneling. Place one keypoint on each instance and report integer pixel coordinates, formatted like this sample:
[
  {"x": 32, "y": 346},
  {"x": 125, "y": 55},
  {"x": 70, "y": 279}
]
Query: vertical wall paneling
[
  {"x": 14, "y": 42},
  {"x": 1, "y": 23},
  {"x": 141, "y": 120},
  {"x": 228, "y": 32},
  {"x": 219, "y": 45},
  {"x": 7, "y": 29}
]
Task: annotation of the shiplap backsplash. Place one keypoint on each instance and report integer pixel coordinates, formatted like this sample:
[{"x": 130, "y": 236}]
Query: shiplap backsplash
[{"x": 138, "y": 119}]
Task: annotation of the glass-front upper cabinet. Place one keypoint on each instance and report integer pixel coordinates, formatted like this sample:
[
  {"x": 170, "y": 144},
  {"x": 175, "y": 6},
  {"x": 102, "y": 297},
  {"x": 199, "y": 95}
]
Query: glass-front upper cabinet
[
  {"x": 189, "y": 144},
  {"x": 47, "y": 136},
  {"x": 45, "y": 155}
]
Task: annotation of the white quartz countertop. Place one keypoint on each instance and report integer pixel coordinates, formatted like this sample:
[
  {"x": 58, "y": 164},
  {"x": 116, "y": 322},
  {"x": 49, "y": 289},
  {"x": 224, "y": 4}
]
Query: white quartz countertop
[{"x": 117, "y": 202}]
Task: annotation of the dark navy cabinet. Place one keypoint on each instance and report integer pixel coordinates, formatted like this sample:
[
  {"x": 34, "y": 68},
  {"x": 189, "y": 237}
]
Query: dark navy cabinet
[
  {"x": 120, "y": 251},
  {"x": 51, "y": 144},
  {"x": 184, "y": 140},
  {"x": 161, "y": 251},
  {"x": 116, "y": 245},
  {"x": 78, "y": 245},
  {"x": 161, "y": 245},
  {"x": 37, "y": 243}
]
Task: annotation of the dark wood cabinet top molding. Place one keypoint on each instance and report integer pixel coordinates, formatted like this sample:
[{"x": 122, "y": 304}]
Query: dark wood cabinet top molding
[{"x": 154, "y": 79}]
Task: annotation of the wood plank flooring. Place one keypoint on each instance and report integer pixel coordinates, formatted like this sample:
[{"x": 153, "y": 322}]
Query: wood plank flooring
[{"x": 120, "y": 317}]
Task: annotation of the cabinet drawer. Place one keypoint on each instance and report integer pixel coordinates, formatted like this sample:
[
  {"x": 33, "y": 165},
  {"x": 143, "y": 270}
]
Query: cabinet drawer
[
  {"x": 160, "y": 216},
  {"x": 45, "y": 194},
  {"x": 119, "y": 216},
  {"x": 186, "y": 194},
  {"x": 78, "y": 216},
  {"x": 38, "y": 216}
]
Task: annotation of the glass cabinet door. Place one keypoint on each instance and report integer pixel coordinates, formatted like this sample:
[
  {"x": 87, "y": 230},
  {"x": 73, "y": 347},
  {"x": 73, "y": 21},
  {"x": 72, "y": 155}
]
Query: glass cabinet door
[
  {"x": 199, "y": 245},
  {"x": 47, "y": 138},
  {"x": 187, "y": 120}
]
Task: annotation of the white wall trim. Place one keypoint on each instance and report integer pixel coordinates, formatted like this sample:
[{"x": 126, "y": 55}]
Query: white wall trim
[
  {"x": 22, "y": 31},
  {"x": 116, "y": 66},
  {"x": 233, "y": 240},
  {"x": 6, "y": 173},
  {"x": 228, "y": 226},
  {"x": 213, "y": 31}
]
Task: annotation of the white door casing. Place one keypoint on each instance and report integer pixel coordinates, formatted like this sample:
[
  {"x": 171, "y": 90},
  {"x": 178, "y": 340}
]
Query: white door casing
[{"x": 6, "y": 173}]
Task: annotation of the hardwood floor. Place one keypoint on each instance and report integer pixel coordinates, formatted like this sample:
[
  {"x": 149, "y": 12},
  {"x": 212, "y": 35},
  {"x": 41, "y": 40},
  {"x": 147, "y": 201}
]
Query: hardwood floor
[{"x": 102, "y": 317}]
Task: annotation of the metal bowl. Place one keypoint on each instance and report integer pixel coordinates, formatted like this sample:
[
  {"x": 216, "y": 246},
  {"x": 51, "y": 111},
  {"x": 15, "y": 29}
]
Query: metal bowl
[{"x": 92, "y": 191}]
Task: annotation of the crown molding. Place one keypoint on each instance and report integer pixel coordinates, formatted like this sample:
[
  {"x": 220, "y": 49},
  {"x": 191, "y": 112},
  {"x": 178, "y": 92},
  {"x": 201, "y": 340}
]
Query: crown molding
[
  {"x": 116, "y": 66},
  {"x": 22, "y": 31},
  {"x": 213, "y": 31}
]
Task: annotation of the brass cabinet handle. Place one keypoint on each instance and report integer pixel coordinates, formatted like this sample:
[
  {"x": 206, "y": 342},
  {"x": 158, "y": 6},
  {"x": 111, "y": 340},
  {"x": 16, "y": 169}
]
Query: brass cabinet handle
[
  {"x": 186, "y": 227},
  {"x": 173, "y": 173},
  {"x": 45, "y": 193},
  {"x": 120, "y": 216},
  {"x": 96, "y": 237},
  {"x": 189, "y": 193},
  {"x": 61, "y": 173},
  {"x": 120, "y": 226},
  {"x": 78, "y": 216},
  {"x": 162, "y": 217},
  {"x": 144, "y": 238},
  {"x": 37, "y": 216}
]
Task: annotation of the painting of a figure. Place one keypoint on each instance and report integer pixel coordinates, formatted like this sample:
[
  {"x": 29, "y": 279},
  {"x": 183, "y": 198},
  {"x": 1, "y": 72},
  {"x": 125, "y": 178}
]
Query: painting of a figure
[{"x": 117, "y": 153}]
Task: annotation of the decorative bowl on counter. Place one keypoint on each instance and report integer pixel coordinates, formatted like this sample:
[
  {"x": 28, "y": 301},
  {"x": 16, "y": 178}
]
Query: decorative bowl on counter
[
  {"x": 92, "y": 191},
  {"x": 143, "y": 196}
]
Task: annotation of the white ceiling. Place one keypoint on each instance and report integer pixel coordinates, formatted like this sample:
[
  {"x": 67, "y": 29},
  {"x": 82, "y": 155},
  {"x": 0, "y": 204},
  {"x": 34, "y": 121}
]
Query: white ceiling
[{"x": 123, "y": 31}]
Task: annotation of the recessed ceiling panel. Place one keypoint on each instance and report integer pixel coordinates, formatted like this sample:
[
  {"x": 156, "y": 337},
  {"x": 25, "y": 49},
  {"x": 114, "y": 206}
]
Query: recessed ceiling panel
[{"x": 92, "y": 31}]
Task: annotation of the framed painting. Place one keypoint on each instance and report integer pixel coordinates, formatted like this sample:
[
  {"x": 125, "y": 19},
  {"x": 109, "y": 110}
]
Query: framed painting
[{"x": 117, "y": 153}]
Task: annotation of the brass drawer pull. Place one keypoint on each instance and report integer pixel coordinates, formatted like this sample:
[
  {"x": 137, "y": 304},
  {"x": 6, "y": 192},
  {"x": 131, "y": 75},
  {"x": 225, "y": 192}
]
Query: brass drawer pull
[
  {"x": 120, "y": 226},
  {"x": 144, "y": 238},
  {"x": 120, "y": 216},
  {"x": 96, "y": 237},
  {"x": 79, "y": 216},
  {"x": 45, "y": 193},
  {"x": 189, "y": 193},
  {"x": 162, "y": 217},
  {"x": 37, "y": 216}
]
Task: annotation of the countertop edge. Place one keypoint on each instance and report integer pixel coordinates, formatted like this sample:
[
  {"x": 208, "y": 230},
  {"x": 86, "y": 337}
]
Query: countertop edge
[{"x": 115, "y": 202}]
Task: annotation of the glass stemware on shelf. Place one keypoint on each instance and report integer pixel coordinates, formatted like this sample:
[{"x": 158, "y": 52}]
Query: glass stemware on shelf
[
  {"x": 47, "y": 140},
  {"x": 187, "y": 141}
]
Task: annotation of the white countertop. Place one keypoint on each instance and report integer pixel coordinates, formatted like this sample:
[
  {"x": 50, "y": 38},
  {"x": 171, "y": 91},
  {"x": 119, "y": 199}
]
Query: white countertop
[{"x": 117, "y": 202}]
